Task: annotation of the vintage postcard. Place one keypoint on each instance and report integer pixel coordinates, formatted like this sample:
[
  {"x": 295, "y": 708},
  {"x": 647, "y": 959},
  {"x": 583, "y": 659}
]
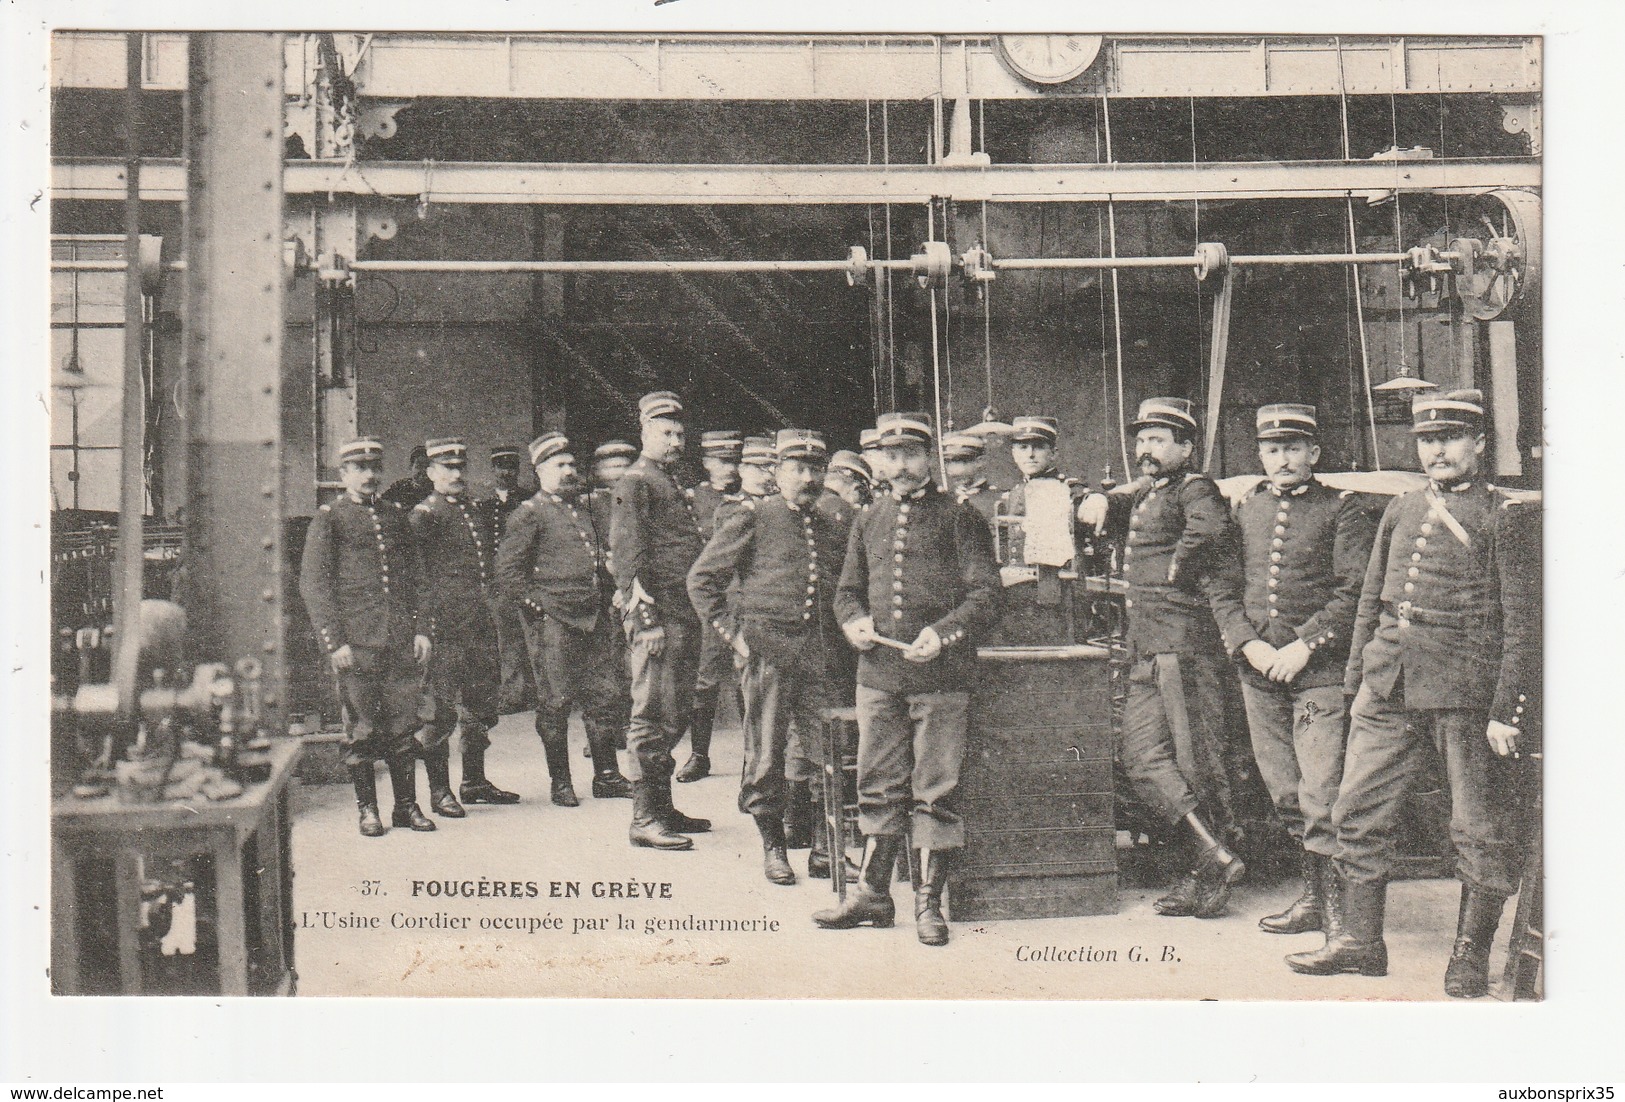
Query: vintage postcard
[{"x": 838, "y": 515}]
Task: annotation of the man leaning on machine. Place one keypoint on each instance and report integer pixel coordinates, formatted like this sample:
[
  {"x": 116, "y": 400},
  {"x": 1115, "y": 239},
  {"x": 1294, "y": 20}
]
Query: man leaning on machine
[{"x": 1175, "y": 527}]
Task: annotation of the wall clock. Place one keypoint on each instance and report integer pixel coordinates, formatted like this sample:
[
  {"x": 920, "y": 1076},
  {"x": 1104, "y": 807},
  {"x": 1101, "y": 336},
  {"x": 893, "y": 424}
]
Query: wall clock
[{"x": 1048, "y": 58}]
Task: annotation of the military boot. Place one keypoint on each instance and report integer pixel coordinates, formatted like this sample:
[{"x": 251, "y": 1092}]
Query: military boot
[
  {"x": 554, "y": 732},
  {"x": 700, "y": 726},
  {"x": 403, "y": 779},
  {"x": 1468, "y": 974},
  {"x": 775, "y": 861},
  {"x": 870, "y": 900},
  {"x": 929, "y": 924},
  {"x": 646, "y": 829},
  {"x": 672, "y": 819},
  {"x": 476, "y": 787},
  {"x": 1205, "y": 889},
  {"x": 366, "y": 800},
  {"x": 437, "y": 764},
  {"x": 1308, "y": 911},
  {"x": 1354, "y": 917},
  {"x": 823, "y": 852},
  {"x": 607, "y": 782},
  {"x": 798, "y": 814},
  {"x": 818, "y": 853}
]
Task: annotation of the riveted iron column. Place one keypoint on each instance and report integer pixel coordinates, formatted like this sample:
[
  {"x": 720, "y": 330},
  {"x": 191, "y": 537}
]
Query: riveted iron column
[{"x": 234, "y": 304}]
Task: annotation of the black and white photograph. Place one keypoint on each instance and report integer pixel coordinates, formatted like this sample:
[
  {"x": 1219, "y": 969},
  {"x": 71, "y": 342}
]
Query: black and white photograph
[
  {"x": 1058, "y": 508},
  {"x": 741, "y": 514}
]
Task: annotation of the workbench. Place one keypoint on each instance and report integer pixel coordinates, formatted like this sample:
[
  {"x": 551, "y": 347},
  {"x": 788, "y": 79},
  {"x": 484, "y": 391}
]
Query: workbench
[{"x": 103, "y": 849}]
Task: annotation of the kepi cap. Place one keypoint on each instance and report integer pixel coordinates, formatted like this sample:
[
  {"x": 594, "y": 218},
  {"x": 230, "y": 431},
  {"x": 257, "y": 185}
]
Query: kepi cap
[
  {"x": 869, "y": 439},
  {"x": 852, "y": 463},
  {"x": 904, "y": 428},
  {"x": 546, "y": 446},
  {"x": 361, "y": 449},
  {"x": 505, "y": 456},
  {"x": 758, "y": 451},
  {"x": 721, "y": 444},
  {"x": 1285, "y": 420},
  {"x": 660, "y": 403},
  {"x": 1035, "y": 430},
  {"x": 450, "y": 451},
  {"x": 615, "y": 449},
  {"x": 962, "y": 445},
  {"x": 806, "y": 445},
  {"x": 1168, "y": 413},
  {"x": 1448, "y": 411}
]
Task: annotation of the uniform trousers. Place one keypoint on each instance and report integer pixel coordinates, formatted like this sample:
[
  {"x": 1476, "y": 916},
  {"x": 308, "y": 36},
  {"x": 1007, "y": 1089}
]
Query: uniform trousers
[
  {"x": 780, "y": 691},
  {"x": 621, "y": 677},
  {"x": 466, "y": 665},
  {"x": 1298, "y": 738},
  {"x": 1174, "y": 736},
  {"x": 662, "y": 697},
  {"x": 716, "y": 665},
  {"x": 1386, "y": 742},
  {"x": 381, "y": 693},
  {"x": 517, "y": 686},
  {"x": 572, "y": 668},
  {"x": 910, "y": 749}
]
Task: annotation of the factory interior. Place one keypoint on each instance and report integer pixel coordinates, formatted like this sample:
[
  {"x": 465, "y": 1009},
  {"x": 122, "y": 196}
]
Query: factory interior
[{"x": 264, "y": 245}]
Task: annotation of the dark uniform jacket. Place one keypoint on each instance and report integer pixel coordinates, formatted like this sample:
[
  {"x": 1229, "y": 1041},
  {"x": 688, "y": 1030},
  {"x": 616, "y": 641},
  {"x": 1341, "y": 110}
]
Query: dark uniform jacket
[
  {"x": 1174, "y": 531},
  {"x": 360, "y": 577},
  {"x": 497, "y": 510},
  {"x": 601, "y": 507},
  {"x": 839, "y": 516},
  {"x": 981, "y": 495},
  {"x": 654, "y": 539},
  {"x": 551, "y": 561},
  {"x": 458, "y": 558},
  {"x": 1303, "y": 558},
  {"x": 1454, "y": 625},
  {"x": 705, "y": 499},
  {"x": 783, "y": 557},
  {"x": 923, "y": 561},
  {"x": 407, "y": 492}
]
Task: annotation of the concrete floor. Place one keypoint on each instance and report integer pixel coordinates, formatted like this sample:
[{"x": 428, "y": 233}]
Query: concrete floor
[{"x": 341, "y": 876}]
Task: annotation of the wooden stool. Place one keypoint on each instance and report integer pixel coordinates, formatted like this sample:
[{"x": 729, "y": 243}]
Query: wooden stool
[{"x": 838, "y": 775}]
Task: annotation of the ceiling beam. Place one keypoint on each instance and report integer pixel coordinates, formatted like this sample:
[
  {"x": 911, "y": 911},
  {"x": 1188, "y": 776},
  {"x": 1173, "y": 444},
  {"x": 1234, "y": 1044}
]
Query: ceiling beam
[
  {"x": 654, "y": 184},
  {"x": 851, "y": 67}
]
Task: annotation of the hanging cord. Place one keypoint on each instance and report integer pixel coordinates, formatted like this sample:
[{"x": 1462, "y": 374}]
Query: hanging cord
[
  {"x": 1196, "y": 285},
  {"x": 1450, "y": 309},
  {"x": 947, "y": 345},
  {"x": 936, "y": 363},
  {"x": 1117, "y": 305},
  {"x": 1100, "y": 287},
  {"x": 1365, "y": 359},
  {"x": 1353, "y": 275},
  {"x": 987, "y": 318},
  {"x": 1399, "y": 226},
  {"x": 986, "y": 286},
  {"x": 891, "y": 321},
  {"x": 874, "y": 320}
]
